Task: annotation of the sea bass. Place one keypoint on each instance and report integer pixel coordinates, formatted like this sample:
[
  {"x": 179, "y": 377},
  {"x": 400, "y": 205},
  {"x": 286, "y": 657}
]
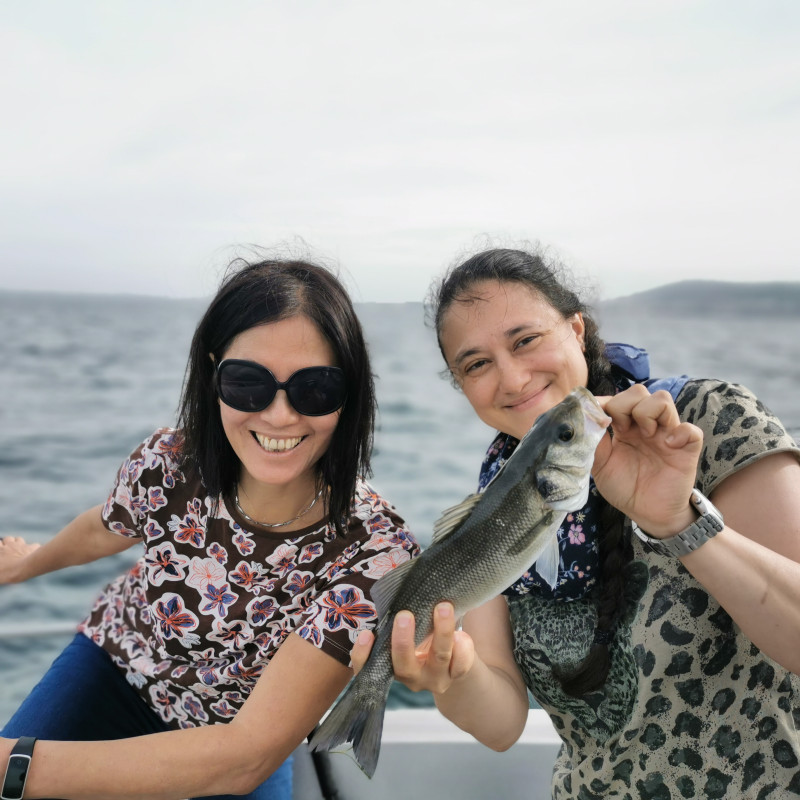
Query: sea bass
[{"x": 479, "y": 548}]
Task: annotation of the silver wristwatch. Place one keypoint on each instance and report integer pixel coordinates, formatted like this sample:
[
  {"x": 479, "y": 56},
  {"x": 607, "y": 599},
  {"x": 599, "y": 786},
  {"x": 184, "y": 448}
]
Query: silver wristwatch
[{"x": 689, "y": 539}]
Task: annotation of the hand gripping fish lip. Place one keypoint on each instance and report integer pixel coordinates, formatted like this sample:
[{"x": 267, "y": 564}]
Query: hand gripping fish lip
[{"x": 594, "y": 414}]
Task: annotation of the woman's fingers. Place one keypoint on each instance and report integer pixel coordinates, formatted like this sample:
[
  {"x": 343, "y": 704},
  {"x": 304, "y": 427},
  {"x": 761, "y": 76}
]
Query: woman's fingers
[
  {"x": 361, "y": 650},
  {"x": 404, "y": 655},
  {"x": 444, "y": 628},
  {"x": 685, "y": 435},
  {"x": 637, "y": 412},
  {"x": 636, "y": 407}
]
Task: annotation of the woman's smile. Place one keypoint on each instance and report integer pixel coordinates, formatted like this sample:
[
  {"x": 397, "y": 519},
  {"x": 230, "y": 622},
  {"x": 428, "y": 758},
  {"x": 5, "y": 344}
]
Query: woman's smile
[
  {"x": 277, "y": 445},
  {"x": 527, "y": 401}
]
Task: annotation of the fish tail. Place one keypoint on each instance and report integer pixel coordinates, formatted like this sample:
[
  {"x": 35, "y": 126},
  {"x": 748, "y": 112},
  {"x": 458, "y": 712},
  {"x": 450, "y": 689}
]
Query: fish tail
[{"x": 357, "y": 718}]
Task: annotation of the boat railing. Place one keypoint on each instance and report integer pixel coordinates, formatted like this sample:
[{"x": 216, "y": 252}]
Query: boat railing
[{"x": 32, "y": 630}]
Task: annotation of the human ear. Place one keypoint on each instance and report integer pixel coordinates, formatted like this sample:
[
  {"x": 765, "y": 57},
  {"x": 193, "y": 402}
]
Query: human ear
[{"x": 579, "y": 328}]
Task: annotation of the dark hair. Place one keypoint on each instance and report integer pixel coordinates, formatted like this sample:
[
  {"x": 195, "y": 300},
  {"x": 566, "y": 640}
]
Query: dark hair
[
  {"x": 530, "y": 269},
  {"x": 253, "y": 294}
]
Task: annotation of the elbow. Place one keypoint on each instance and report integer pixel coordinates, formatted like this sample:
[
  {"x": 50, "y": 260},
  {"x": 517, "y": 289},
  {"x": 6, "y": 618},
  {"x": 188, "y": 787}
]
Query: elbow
[
  {"x": 503, "y": 746},
  {"x": 243, "y": 782},
  {"x": 247, "y": 769},
  {"x": 502, "y": 743},
  {"x": 242, "y": 779},
  {"x": 503, "y": 736},
  {"x": 250, "y": 776}
]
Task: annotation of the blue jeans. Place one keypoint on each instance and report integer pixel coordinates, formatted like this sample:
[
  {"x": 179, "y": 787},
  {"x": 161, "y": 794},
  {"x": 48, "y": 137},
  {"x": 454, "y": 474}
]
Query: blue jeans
[{"x": 84, "y": 697}]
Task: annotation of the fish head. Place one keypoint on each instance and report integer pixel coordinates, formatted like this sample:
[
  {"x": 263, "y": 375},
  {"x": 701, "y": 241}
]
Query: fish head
[{"x": 568, "y": 435}]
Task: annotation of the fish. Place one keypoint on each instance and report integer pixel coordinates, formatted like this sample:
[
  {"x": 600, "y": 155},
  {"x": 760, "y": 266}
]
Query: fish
[{"x": 479, "y": 547}]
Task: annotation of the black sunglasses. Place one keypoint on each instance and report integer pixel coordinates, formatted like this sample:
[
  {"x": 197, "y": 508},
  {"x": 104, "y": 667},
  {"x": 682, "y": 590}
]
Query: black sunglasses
[{"x": 312, "y": 391}]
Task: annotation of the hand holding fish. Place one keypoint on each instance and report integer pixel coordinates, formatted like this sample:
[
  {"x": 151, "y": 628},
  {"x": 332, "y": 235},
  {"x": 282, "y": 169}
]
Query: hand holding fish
[
  {"x": 442, "y": 657},
  {"x": 647, "y": 467}
]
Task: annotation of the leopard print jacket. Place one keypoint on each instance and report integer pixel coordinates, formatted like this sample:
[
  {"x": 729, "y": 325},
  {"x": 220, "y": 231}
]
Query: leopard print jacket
[{"x": 691, "y": 709}]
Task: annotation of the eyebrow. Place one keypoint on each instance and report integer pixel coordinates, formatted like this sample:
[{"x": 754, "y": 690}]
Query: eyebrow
[{"x": 509, "y": 334}]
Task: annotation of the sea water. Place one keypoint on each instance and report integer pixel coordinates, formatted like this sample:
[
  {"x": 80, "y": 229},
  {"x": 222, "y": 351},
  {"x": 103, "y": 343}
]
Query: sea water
[{"x": 84, "y": 379}]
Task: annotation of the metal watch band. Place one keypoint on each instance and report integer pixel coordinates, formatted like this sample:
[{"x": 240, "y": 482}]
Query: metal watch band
[
  {"x": 19, "y": 762},
  {"x": 698, "y": 533}
]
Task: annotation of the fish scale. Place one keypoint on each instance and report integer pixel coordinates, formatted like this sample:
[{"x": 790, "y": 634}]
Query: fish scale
[{"x": 478, "y": 549}]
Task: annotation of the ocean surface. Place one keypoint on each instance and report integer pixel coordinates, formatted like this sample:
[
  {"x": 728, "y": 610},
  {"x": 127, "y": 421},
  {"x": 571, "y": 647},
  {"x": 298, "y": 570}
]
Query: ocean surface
[{"x": 84, "y": 379}]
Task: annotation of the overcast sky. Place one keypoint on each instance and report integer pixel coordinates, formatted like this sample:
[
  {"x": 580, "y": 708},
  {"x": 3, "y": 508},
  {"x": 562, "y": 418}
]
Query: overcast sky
[{"x": 645, "y": 142}]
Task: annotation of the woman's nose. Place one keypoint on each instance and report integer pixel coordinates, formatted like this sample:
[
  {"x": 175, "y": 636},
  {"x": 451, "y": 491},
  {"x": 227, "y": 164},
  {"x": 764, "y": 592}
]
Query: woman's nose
[
  {"x": 514, "y": 375},
  {"x": 280, "y": 410}
]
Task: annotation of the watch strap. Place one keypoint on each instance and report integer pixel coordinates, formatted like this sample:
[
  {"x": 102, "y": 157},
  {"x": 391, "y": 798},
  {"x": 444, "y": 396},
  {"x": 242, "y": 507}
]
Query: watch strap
[
  {"x": 709, "y": 524},
  {"x": 19, "y": 762}
]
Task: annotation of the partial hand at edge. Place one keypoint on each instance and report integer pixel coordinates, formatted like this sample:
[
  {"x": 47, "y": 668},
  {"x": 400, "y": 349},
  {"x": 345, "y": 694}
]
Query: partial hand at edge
[{"x": 13, "y": 551}]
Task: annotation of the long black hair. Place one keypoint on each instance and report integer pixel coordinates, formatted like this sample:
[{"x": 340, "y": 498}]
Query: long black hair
[
  {"x": 532, "y": 270},
  {"x": 253, "y": 294}
]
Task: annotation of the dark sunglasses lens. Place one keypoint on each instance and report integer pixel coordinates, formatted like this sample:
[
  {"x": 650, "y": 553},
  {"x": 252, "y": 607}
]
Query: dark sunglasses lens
[
  {"x": 317, "y": 391},
  {"x": 246, "y": 387}
]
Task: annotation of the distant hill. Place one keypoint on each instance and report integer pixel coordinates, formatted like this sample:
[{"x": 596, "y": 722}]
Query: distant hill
[
  {"x": 711, "y": 298},
  {"x": 683, "y": 298}
]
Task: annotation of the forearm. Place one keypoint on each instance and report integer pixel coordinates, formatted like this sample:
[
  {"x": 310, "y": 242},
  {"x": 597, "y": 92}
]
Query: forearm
[
  {"x": 217, "y": 759},
  {"x": 487, "y": 703},
  {"x": 83, "y": 540},
  {"x": 759, "y": 588}
]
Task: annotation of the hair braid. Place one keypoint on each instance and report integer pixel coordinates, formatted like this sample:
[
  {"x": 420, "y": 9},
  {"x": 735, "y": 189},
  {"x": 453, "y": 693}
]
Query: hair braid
[{"x": 592, "y": 672}]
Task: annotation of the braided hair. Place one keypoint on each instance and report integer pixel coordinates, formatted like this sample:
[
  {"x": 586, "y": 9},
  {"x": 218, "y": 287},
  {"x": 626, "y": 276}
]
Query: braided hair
[{"x": 530, "y": 269}]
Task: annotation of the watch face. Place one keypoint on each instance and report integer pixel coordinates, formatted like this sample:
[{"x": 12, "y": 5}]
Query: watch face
[{"x": 16, "y": 773}]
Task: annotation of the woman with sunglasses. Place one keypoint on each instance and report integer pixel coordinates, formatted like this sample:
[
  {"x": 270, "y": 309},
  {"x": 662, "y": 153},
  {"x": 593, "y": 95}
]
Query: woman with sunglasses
[
  {"x": 651, "y": 654},
  {"x": 198, "y": 672}
]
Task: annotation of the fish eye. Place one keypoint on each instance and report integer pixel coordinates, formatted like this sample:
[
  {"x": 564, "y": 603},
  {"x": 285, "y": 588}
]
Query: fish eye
[{"x": 566, "y": 433}]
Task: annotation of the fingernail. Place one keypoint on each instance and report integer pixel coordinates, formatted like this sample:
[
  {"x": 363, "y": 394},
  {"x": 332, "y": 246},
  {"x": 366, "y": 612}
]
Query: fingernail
[
  {"x": 363, "y": 637},
  {"x": 444, "y": 610},
  {"x": 403, "y": 619}
]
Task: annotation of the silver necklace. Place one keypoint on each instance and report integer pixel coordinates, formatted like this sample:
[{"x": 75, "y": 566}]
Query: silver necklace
[{"x": 275, "y": 524}]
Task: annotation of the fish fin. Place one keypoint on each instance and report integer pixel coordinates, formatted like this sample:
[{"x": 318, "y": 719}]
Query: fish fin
[
  {"x": 356, "y": 721},
  {"x": 452, "y": 517},
  {"x": 385, "y": 588},
  {"x": 548, "y": 560}
]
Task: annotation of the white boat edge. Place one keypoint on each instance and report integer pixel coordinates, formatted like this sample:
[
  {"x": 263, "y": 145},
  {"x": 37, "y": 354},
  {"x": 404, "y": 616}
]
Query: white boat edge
[{"x": 422, "y": 753}]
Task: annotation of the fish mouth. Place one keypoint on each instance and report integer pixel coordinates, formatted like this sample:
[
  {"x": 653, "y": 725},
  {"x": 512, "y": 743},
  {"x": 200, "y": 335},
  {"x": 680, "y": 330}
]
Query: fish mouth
[
  {"x": 592, "y": 411},
  {"x": 573, "y": 501}
]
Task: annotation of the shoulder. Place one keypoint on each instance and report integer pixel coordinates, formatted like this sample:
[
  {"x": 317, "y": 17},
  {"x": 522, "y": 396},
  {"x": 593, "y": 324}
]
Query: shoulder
[
  {"x": 160, "y": 452},
  {"x": 738, "y": 428},
  {"x": 166, "y": 444},
  {"x": 374, "y": 516},
  {"x": 369, "y": 500}
]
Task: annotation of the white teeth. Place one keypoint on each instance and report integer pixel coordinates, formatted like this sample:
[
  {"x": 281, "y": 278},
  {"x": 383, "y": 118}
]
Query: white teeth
[{"x": 278, "y": 445}]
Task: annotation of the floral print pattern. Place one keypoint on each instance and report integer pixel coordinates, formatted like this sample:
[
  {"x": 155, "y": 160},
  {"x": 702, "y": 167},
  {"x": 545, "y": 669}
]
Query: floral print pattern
[{"x": 196, "y": 620}]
